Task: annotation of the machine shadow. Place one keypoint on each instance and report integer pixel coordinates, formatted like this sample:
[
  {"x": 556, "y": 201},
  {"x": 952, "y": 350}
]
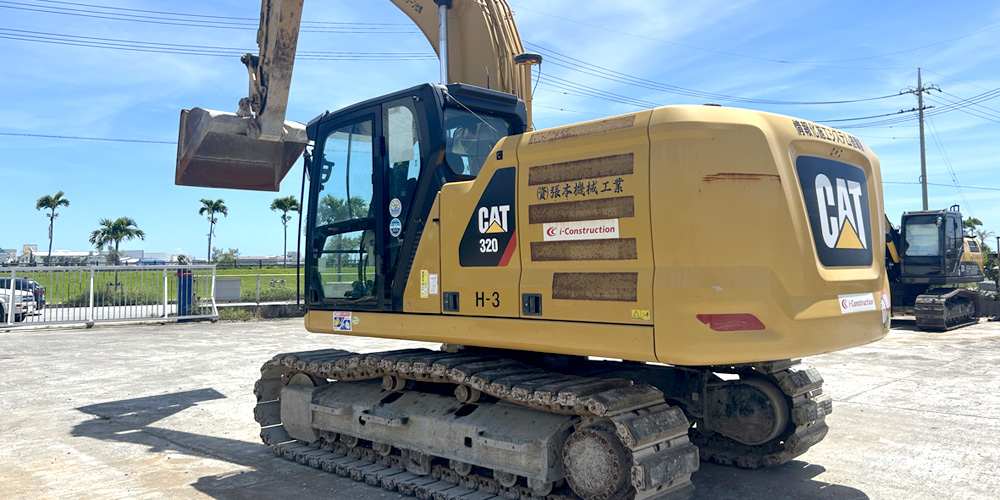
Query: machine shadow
[
  {"x": 131, "y": 421},
  {"x": 905, "y": 323},
  {"x": 795, "y": 479}
]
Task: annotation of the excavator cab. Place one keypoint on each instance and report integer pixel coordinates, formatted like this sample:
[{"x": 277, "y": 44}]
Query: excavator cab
[
  {"x": 934, "y": 258},
  {"x": 933, "y": 248},
  {"x": 375, "y": 169}
]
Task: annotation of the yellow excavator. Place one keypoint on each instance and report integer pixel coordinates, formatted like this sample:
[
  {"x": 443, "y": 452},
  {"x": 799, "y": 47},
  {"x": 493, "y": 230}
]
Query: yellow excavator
[
  {"x": 930, "y": 260},
  {"x": 615, "y": 300}
]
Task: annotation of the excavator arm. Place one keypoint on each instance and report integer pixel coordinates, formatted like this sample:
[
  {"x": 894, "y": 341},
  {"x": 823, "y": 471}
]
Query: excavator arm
[{"x": 255, "y": 147}]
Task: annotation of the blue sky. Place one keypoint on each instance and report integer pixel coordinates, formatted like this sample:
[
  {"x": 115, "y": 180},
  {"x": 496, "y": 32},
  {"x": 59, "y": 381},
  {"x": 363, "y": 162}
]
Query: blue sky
[{"x": 633, "y": 55}]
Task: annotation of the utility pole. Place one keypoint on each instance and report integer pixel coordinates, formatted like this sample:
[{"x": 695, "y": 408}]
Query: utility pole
[
  {"x": 919, "y": 91},
  {"x": 923, "y": 149}
]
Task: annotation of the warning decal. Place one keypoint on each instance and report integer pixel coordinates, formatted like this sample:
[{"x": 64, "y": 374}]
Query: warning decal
[{"x": 342, "y": 321}]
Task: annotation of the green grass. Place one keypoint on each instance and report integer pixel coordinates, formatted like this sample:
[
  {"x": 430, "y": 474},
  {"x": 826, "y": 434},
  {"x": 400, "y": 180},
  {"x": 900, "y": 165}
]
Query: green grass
[
  {"x": 237, "y": 314},
  {"x": 255, "y": 271},
  {"x": 70, "y": 287}
]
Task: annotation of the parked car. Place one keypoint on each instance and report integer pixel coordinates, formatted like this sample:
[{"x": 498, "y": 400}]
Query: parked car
[
  {"x": 27, "y": 284},
  {"x": 24, "y": 304}
]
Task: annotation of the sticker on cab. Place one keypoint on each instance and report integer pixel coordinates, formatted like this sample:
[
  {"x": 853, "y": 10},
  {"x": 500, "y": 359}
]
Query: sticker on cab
[
  {"x": 342, "y": 321},
  {"x": 581, "y": 230}
]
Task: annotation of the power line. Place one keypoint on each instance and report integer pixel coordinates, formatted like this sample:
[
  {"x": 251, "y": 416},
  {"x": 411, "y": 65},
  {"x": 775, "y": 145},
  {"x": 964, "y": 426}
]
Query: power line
[
  {"x": 574, "y": 64},
  {"x": 568, "y": 110},
  {"x": 863, "y": 117},
  {"x": 970, "y": 112},
  {"x": 196, "y": 50},
  {"x": 255, "y": 20},
  {"x": 953, "y": 106},
  {"x": 977, "y": 110},
  {"x": 947, "y": 162},
  {"x": 248, "y": 23},
  {"x": 551, "y": 80},
  {"x": 759, "y": 58},
  {"x": 184, "y": 20},
  {"x": 957, "y": 80},
  {"x": 943, "y": 185},
  {"x": 15, "y": 134}
]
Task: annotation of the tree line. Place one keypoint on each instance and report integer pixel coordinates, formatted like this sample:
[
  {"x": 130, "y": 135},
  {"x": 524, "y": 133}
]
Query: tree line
[{"x": 111, "y": 233}]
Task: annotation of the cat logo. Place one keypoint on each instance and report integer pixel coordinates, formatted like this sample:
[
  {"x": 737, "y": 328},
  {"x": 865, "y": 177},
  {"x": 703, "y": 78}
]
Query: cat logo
[
  {"x": 493, "y": 219},
  {"x": 836, "y": 198},
  {"x": 490, "y": 238},
  {"x": 839, "y": 205}
]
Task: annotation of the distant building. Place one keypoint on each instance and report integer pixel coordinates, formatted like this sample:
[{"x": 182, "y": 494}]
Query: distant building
[{"x": 63, "y": 258}]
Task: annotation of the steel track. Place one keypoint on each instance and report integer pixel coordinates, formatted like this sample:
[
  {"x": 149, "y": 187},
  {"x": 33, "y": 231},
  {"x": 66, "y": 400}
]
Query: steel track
[
  {"x": 808, "y": 408},
  {"x": 654, "y": 433}
]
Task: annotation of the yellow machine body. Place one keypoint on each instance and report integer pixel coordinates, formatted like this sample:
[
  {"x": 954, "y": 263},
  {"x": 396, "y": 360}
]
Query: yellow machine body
[
  {"x": 973, "y": 253},
  {"x": 684, "y": 234}
]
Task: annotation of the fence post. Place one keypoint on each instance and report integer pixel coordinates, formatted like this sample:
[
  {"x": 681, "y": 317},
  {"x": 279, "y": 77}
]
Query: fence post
[
  {"x": 10, "y": 301},
  {"x": 258, "y": 289},
  {"x": 90, "y": 309},
  {"x": 215, "y": 309},
  {"x": 166, "y": 303}
]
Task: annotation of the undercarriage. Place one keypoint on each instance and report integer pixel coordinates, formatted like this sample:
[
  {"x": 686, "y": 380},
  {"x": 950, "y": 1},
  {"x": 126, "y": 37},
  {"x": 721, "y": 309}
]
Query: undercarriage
[
  {"x": 480, "y": 424},
  {"x": 943, "y": 309}
]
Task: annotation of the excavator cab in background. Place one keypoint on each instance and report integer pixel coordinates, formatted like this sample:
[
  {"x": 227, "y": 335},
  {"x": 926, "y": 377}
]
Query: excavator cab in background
[{"x": 925, "y": 259}]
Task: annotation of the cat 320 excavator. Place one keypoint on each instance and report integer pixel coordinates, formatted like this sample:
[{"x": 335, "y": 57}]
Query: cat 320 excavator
[
  {"x": 615, "y": 300},
  {"x": 926, "y": 258}
]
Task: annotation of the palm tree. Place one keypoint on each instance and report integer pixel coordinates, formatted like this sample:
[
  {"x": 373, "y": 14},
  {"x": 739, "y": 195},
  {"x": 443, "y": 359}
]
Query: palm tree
[
  {"x": 114, "y": 231},
  {"x": 285, "y": 205},
  {"x": 51, "y": 203},
  {"x": 212, "y": 207}
]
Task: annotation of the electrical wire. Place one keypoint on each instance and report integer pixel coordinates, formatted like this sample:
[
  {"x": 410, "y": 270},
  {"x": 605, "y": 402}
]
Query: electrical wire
[
  {"x": 953, "y": 106},
  {"x": 197, "y": 50},
  {"x": 574, "y": 64},
  {"x": 16, "y": 134},
  {"x": 185, "y": 20},
  {"x": 977, "y": 110},
  {"x": 759, "y": 58},
  {"x": 942, "y": 185},
  {"x": 568, "y": 110},
  {"x": 954, "y": 178},
  {"x": 255, "y": 20}
]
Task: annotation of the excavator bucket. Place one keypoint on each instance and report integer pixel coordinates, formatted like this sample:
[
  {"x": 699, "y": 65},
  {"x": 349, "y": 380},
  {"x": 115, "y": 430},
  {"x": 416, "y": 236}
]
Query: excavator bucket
[{"x": 214, "y": 150}]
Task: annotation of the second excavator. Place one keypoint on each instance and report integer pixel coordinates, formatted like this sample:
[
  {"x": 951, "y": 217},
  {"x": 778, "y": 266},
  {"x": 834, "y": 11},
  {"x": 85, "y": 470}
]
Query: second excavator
[
  {"x": 927, "y": 259},
  {"x": 598, "y": 336}
]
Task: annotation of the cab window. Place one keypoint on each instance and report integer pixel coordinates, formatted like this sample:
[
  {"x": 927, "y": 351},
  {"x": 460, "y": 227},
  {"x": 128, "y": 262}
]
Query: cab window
[
  {"x": 469, "y": 139},
  {"x": 922, "y": 240},
  {"x": 345, "y": 264}
]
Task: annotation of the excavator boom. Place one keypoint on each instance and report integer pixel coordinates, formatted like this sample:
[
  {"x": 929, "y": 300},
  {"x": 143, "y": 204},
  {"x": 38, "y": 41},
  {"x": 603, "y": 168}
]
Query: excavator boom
[{"x": 255, "y": 147}]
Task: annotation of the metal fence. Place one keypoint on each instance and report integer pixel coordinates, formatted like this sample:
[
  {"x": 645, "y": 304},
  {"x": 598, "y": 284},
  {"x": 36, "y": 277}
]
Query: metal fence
[
  {"x": 107, "y": 293},
  {"x": 256, "y": 288}
]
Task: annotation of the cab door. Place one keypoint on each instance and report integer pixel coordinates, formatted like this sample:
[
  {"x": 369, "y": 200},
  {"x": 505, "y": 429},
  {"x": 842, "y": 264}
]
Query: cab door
[
  {"x": 347, "y": 228},
  {"x": 365, "y": 173}
]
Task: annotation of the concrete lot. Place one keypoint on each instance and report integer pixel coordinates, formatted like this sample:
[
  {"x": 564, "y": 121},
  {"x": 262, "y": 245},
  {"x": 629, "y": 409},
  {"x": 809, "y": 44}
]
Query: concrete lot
[{"x": 165, "y": 411}]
